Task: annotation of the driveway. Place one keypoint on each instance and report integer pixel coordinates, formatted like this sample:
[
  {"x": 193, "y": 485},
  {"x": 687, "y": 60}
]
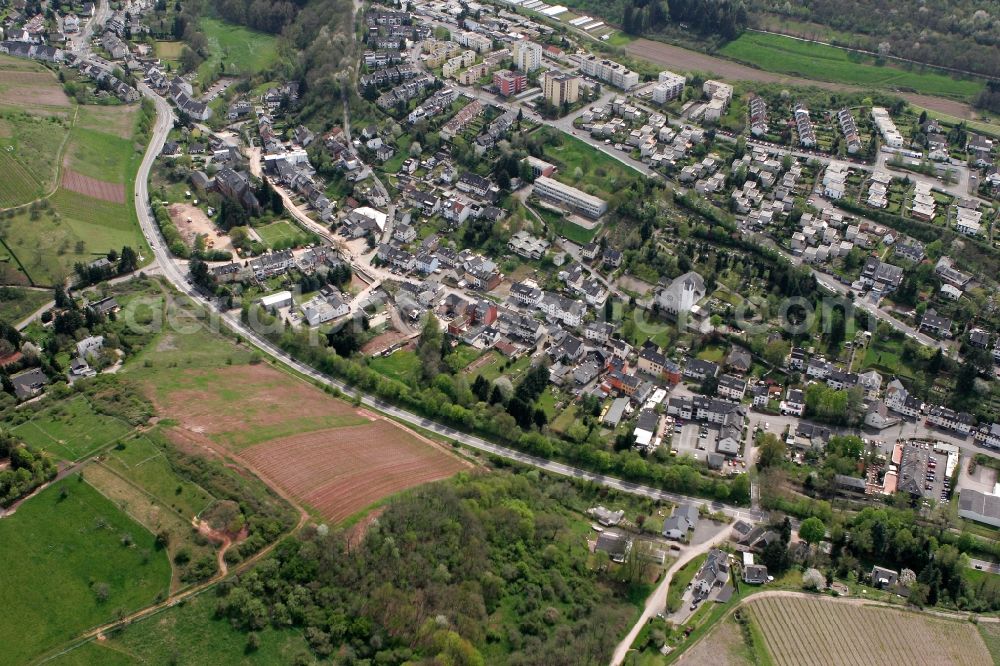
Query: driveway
[{"x": 656, "y": 603}]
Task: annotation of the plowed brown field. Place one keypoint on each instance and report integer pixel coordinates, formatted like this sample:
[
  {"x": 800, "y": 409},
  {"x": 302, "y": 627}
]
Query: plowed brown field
[
  {"x": 98, "y": 189},
  {"x": 319, "y": 450},
  {"x": 340, "y": 471}
]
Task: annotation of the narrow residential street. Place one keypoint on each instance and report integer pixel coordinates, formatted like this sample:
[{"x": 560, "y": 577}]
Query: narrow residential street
[{"x": 656, "y": 603}]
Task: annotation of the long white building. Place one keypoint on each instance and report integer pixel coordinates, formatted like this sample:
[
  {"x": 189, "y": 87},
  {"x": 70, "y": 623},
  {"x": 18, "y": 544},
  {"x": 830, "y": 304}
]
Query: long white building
[
  {"x": 570, "y": 197},
  {"x": 608, "y": 70},
  {"x": 886, "y": 127}
]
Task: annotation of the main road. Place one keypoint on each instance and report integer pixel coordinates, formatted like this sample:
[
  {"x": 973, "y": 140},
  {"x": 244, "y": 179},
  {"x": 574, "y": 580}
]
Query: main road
[{"x": 175, "y": 273}]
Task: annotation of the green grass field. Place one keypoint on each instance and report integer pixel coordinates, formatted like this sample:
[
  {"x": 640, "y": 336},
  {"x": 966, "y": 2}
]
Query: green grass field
[
  {"x": 142, "y": 463},
  {"x": 588, "y": 169},
  {"x": 575, "y": 232},
  {"x": 18, "y": 185},
  {"x": 101, "y": 155},
  {"x": 283, "y": 234},
  {"x": 16, "y": 303},
  {"x": 401, "y": 365},
  {"x": 189, "y": 634},
  {"x": 74, "y": 228},
  {"x": 239, "y": 49},
  {"x": 71, "y": 429},
  {"x": 60, "y": 555},
  {"x": 29, "y": 153},
  {"x": 169, "y": 51},
  {"x": 775, "y": 53}
]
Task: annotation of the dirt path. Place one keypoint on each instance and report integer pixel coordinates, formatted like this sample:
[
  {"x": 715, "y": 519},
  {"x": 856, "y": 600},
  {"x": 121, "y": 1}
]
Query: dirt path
[
  {"x": 224, "y": 571},
  {"x": 60, "y": 475},
  {"x": 681, "y": 59}
]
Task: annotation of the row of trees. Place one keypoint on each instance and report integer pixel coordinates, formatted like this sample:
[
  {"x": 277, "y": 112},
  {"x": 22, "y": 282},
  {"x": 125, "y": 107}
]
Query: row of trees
[
  {"x": 450, "y": 399},
  {"x": 963, "y": 34}
]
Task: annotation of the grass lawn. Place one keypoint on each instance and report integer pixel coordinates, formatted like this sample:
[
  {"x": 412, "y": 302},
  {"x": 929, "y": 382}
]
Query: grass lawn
[
  {"x": 562, "y": 422},
  {"x": 401, "y": 365},
  {"x": 598, "y": 174},
  {"x": 58, "y": 554},
  {"x": 169, "y": 51},
  {"x": 71, "y": 429},
  {"x": 29, "y": 153},
  {"x": 16, "y": 303},
  {"x": 886, "y": 357},
  {"x": 547, "y": 402},
  {"x": 119, "y": 121},
  {"x": 239, "y": 49},
  {"x": 101, "y": 155},
  {"x": 574, "y": 232},
  {"x": 142, "y": 463},
  {"x": 680, "y": 582},
  {"x": 461, "y": 357},
  {"x": 282, "y": 234},
  {"x": 619, "y": 39},
  {"x": 189, "y": 634},
  {"x": 489, "y": 370},
  {"x": 828, "y": 63},
  {"x": 712, "y": 353}
]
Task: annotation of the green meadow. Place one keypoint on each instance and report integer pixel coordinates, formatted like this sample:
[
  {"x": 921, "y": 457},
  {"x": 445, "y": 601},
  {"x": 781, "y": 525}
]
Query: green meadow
[{"x": 775, "y": 53}]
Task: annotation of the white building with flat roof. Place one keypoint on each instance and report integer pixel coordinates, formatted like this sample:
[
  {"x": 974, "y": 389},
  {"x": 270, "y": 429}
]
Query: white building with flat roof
[
  {"x": 570, "y": 197},
  {"x": 610, "y": 71},
  {"x": 887, "y": 128},
  {"x": 669, "y": 87},
  {"x": 527, "y": 55},
  {"x": 274, "y": 302}
]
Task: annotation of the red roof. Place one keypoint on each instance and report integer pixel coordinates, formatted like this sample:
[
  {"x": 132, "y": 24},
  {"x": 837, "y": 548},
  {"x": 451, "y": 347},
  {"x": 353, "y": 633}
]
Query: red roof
[{"x": 10, "y": 359}]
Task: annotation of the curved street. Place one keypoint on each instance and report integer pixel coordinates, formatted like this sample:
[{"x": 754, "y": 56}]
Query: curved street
[{"x": 173, "y": 271}]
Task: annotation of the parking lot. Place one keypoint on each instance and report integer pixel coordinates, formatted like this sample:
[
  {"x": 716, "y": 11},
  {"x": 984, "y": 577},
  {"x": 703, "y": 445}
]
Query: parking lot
[
  {"x": 926, "y": 469},
  {"x": 694, "y": 439}
]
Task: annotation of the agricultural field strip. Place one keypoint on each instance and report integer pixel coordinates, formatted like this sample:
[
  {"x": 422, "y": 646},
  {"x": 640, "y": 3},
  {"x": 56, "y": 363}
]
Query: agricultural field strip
[
  {"x": 157, "y": 456},
  {"x": 877, "y": 633},
  {"x": 155, "y": 500},
  {"x": 74, "y": 456},
  {"x": 337, "y": 490}
]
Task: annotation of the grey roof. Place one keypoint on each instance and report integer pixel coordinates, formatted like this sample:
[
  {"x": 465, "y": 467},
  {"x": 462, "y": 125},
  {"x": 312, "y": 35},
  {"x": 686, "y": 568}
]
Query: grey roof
[
  {"x": 981, "y": 505},
  {"x": 648, "y": 420},
  {"x": 615, "y": 412},
  {"x": 27, "y": 383},
  {"x": 613, "y": 543},
  {"x": 851, "y": 482}
]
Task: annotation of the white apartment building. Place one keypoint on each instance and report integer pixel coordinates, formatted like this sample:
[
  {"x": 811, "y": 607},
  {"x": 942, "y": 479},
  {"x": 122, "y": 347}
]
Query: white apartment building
[
  {"x": 886, "y": 127},
  {"x": 589, "y": 205},
  {"x": 610, "y": 71},
  {"x": 670, "y": 87},
  {"x": 527, "y": 56}
]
